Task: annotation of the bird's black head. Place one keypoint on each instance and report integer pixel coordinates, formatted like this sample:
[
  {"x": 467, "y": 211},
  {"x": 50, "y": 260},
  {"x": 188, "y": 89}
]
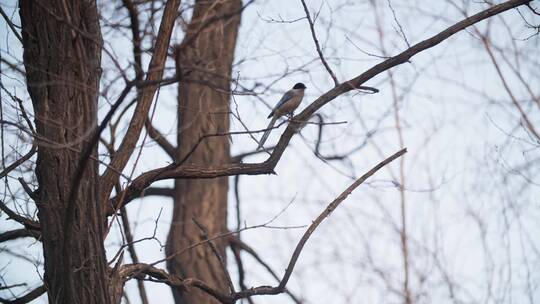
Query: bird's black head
[{"x": 299, "y": 86}]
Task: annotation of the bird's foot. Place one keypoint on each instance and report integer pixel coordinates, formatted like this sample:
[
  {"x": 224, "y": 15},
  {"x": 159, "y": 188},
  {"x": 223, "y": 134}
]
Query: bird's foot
[{"x": 290, "y": 116}]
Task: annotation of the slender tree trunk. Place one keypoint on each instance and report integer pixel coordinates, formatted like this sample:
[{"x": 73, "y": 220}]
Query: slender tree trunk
[
  {"x": 204, "y": 62},
  {"x": 62, "y": 56}
]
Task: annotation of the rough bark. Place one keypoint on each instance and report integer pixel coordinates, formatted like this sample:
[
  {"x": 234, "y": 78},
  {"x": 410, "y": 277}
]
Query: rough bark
[
  {"x": 205, "y": 57},
  {"x": 62, "y": 56}
]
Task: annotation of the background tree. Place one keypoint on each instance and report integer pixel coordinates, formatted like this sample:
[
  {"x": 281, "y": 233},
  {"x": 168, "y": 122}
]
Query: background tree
[
  {"x": 198, "y": 92},
  {"x": 204, "y": 57}
]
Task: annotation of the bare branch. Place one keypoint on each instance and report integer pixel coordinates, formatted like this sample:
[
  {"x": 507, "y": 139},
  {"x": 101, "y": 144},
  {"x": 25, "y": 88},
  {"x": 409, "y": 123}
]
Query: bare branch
[
  {"x": 10, "y": 24},
  {"x": 18, "y": 162},
  {"x": 132, "y": 252},
  {"x": 241, "y": 272},
  {"x": 160, "y": 275},
  {"x": 31, "y": 193},
  {"x": 237, "y": 244},
  {"x": 319, "y": 51},
  {"x": 522, "y": 112},
  {"x": 135, "y": 33},
  {"x": 28, "y": 223},
  {"x": 156, "y": 191},
  {"x": 176, "y": 170},
  {"x": 27, "y": 298},
  {"x": 18, "y": 233},
  {"x": 329, "y": 209},
  {"x": 160, "y": 139},
  {"x": 204, "y": 234},
  {"x": 155, "y": 73},
  {"x": 238, "y": 158},
  {"x": 131, "y": 270}
]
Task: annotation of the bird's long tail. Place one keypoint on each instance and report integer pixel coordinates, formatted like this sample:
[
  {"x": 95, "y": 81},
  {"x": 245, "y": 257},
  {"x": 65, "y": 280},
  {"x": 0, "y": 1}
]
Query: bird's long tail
[{"x": 267, "y": 132}]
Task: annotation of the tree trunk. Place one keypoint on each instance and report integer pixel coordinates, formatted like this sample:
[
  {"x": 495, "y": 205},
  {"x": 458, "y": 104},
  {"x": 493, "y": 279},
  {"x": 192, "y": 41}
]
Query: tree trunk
[
  {"x": 62, "y": 56},
  {"x": 204, "y": 63}
]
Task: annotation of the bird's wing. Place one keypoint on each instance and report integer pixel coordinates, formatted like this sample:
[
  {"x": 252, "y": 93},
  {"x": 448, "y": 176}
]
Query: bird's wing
[{"x": 286, "y": 97}]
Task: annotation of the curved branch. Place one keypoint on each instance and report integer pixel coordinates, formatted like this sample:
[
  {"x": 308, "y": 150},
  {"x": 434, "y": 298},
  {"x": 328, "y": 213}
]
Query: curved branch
[
  {"x": 19, "y": 233},
  {"x": 26, "y": 222},
  {"x": 136, "y": 270},
  {"x": 179, "y": 170},
  {"x": 317, "y": 151},
  {"x": 316, "y": 41},
  {"x": 155, "y": 73},
  {"x": 18, "y": 162},
  {"x": 10, "y": 24},
  {"x": 186, "y": 171},
  {"x": 237, "y": 244},
  {"x": 157, "y": 191},
  {"x": 32, "y": 295},
  {"x": 133, "y": 252},
  {"x": 141, "y": 270},
  {"x": 160, "y": 139},
  {"x": 135, "y": 33},
  {"x": 326, "y": 213},
  {"x": 406, "y": 55}
]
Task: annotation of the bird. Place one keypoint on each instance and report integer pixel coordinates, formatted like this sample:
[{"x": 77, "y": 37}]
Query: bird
[{"x": 285, "y": 106}]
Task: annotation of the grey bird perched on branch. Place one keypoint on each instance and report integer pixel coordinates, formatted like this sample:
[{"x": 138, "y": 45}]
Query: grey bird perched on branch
[{"x": 286, "y": 106}]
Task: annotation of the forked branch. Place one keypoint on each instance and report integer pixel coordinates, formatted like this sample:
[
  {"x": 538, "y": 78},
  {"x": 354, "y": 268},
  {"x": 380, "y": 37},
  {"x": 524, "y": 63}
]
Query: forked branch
[
  {"x": 179, "y": 170},
  {"x": 141, "y": 270}
]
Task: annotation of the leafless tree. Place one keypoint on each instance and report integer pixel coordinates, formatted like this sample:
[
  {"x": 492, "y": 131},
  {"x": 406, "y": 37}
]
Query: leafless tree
[{"x": 97, "y": 82}]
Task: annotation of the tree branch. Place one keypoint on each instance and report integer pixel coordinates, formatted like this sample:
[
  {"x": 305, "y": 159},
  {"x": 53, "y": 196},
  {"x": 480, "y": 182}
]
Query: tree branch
[
  {"x": 319, "y": 51},
  {"x": 135, "y": 33},
  {"x": 157, "y": 191},
  {"x": 160, "y": 140},
  {"x": 32, "y": 295},
  {"x": 10, "y": 24},
  {"x": 135, "y": 270},
  {"x": 26, "y": 222},
  {"x": 18, "y": 162},
  {"x": 155, "y": 73},
  {"x": 132, "y": 251},
  {"x": 237, "y": 244},
  {"x": 179, "y": 170},
  {"x": 204, "y": 235},
  {"x": 31, "y": 193},
  {"x": 528, "y": 124},
  {"x": 19, "y": 233}
]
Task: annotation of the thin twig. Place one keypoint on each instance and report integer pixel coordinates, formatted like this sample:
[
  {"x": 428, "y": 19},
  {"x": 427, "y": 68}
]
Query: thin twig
[
  {"x": 237, "y": 244},
  {"x": 319, "y": 51},
  {"x": 10, "y": 24},
  {"x": 26, "y": 222},
  {"x": 204, "y": 234},
  {"x": 19, "y": 233},
  {"x": 18, "y": 162},
  {"x": 132, "y": 252},
  {"x": 27, "y": 298},
  {"x": 267, "y": 167},
  {"x": 135, "y": 270}
]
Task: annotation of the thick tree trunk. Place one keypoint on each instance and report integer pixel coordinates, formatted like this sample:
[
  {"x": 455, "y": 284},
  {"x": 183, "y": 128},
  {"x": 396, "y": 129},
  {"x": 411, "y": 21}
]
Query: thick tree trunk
[
  {"x": 204, "y": 61},
  {"x": 62, "y": 56}
]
